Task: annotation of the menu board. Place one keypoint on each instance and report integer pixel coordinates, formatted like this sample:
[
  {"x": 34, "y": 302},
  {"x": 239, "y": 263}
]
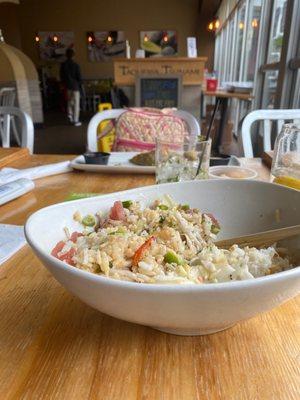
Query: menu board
[{"x": 158, "y": 91}]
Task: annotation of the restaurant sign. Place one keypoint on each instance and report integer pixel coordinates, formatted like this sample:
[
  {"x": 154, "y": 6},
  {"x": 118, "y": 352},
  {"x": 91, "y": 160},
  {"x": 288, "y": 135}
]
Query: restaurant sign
[{"x": 191, "y": 69}]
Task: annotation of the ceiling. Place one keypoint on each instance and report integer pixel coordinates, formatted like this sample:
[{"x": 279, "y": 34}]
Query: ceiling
[{"x": 209, "y": 7}]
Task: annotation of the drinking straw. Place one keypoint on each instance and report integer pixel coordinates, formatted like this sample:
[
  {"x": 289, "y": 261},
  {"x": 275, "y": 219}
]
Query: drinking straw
[{"x": 207, "y": 135}]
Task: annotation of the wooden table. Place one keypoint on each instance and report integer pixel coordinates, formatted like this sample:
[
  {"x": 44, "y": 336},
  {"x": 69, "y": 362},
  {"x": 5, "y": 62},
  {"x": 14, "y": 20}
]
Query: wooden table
[
  {"x": 52, "y": 346},
  {"x": 222, "y": 98},
  {"x": 228, "y": 95}
]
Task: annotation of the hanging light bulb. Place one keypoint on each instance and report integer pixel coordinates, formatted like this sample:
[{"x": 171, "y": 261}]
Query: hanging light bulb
[
  {"x": 210, "y": 26},
  {"x": 241, "y": 25},
  {"x": 90, "y": 39},
  {"x": 109, "y": 39},
  {"x": 165, "y": 38},
  {"x": 146, "y": 38},
  {"x": 217, "y": 24},
  {"x": 37, "y": 38},
  {"x": 254, "y": 23},
  {"x": 55, "y": 38}
]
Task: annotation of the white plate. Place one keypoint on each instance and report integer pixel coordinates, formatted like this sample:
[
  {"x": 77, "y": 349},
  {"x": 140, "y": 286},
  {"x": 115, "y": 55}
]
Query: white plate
[
  {"x": 217, "y": 172},
  {"x": 118, "y": 163}
]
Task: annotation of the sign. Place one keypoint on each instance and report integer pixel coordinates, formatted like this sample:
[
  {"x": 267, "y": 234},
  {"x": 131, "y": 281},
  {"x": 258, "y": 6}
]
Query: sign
[
  {"x": 191, "y": 47},
  {"x": 191, "y": 69},
  {"x": 158, "y": 91}
]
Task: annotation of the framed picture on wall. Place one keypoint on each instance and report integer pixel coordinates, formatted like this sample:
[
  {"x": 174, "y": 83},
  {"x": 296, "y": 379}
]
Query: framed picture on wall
[
  {"x": 159, "y": 43},
  {"x": 105, "y": 45},
  {"x": 53, "y": 45}
]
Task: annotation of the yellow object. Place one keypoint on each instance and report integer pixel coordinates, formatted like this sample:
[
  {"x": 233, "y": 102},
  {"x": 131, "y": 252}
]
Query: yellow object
[
  {"x": 288, "y": 181},
  {"x": 106, "y": 128}
]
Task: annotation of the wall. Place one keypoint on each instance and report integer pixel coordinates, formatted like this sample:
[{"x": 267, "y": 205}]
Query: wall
[
  {"x": 131, "y": 16},
  {"x": 10, "y": 24}
]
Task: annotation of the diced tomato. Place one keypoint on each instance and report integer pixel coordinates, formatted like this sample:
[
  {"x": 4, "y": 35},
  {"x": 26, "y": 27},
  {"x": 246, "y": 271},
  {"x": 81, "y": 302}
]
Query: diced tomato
[
  {"x": 138, "y": 255},
  {"x": 74, "y": 236},
  {"x": 117, "y": 212},
  {"x": 67, "y": 257},
  {"x": 214, "y": 220},
  {"x": 57, "y": 249}
]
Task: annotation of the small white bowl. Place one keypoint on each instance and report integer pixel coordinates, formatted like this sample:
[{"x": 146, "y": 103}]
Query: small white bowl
[
  {"x": 231, "y": 172},
  {"x": 242, "y": 207}
]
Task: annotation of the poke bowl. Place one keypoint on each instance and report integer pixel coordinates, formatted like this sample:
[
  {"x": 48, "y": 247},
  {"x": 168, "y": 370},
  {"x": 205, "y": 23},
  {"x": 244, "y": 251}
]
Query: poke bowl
[{"x": 191, "y": 304}]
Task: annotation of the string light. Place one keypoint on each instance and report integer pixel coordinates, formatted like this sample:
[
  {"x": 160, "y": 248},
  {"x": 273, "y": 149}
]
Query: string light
[
  {"x": 254, "y": 23},
  {"x": 90, "y": 39},
  {"x": 165, "y": 38},
  {"x": 217, "y": 24},
  {"x": 37, "y": 38},
  {"x": 55, "y": 38},
  {"x": 109, "y": 39},
  {"x": 241, "y": 25}
]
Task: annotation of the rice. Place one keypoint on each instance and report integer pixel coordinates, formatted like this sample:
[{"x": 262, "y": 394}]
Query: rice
[{"x": 163, "y": 243}]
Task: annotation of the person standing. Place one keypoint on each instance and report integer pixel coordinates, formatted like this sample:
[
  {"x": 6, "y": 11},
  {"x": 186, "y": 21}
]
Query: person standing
[{"x": 70, "y": 75}]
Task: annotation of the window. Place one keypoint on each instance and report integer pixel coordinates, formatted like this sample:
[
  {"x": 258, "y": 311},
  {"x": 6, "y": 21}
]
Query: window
[
  {"x": 259, "y": 42},
  {"x": 230, "y": 44},
  {"x": 269, "y": 90},
  {"x": 277, "y": 29},
  {"x": 240, "y": 36},
  {"x": 296, "y": 97},
  {"x": 252, "y": 40}
]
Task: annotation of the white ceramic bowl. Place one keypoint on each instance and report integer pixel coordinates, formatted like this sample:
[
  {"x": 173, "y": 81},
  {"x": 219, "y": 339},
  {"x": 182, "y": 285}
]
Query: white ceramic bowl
[
  {"x": 231, "y": 172},
  {"x": 241, "y": 207}
]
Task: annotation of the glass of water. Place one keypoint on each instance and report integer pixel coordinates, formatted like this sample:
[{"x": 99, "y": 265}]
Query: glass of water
[{"x": 182, "y": 161}]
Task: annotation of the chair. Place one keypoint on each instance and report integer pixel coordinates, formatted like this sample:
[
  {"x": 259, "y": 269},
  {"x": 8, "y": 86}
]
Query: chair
[
  {"x": 115, "y": 113},
  {"x": 7, "y": 99},
  {"x": 267, "y": 116},
  {"x": 7, "y": 96},
  {"x": 27, "y": 130}
]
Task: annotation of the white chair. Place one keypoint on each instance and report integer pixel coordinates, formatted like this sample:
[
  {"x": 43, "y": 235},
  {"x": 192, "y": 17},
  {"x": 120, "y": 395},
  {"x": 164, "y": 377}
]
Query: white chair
[
  {"x": 191, "y": 121},
  {"x": 7, "y": 96},
  {"x": 8, "y": 99},
  {"x": 267, "y": 116},
  {"x": 27, "y": 129}
]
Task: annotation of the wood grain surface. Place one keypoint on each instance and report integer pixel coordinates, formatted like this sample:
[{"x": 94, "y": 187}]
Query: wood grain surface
[
  {"x": 9, "y": 155},
  {"x": 229, "y": 95},
  {"x": 52, "y": 346},
  {"x": 267, "y": 158},
  {"x": 191, "y": 69}
]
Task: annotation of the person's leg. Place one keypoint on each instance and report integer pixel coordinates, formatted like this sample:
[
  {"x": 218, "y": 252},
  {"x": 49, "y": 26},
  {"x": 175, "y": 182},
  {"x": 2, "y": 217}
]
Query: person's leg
[
  {"x": 76, "y": 106},
  {"x": 71, "y": 105}
]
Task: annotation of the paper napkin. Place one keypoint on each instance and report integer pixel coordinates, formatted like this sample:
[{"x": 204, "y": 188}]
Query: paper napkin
[
  {"x": 12, "y": 239},
  {"x": 12, "y": 174}
]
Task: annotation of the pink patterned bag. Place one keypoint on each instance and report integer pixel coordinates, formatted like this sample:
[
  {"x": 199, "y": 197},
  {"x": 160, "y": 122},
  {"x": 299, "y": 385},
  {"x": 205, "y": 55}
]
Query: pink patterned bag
[{"x": 138, "y": 128}]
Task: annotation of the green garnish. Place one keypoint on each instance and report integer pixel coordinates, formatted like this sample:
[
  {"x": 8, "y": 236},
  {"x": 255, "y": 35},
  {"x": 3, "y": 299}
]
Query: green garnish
[
  {"x": 126, "y": 203},
  {"x": 162, "y": 207},
  {"x": 161, "y": 219},
  {"x": 172, "y": 258},
  {"x": 77, "y": 196},
  {"x": 185, "y": 207},
  {"x": 175, "y": 179},
  {"x": 215, "y": 229},
  {"x": 119, "y": 231},
  {"x": 89, "y": 220}
]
